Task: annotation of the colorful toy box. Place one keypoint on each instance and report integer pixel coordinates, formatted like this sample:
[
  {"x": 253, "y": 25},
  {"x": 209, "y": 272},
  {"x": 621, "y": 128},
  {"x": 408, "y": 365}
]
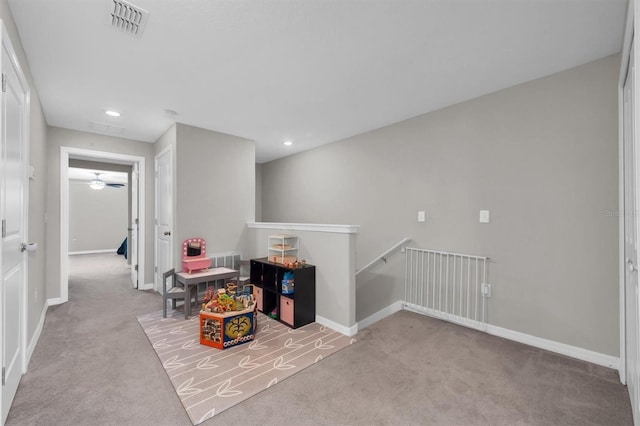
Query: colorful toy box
[{"x": 228, "y": 329}]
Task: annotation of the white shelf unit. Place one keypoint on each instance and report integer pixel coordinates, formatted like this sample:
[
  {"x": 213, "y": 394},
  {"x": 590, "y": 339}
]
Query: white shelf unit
[{"x": 283, "y": 248}]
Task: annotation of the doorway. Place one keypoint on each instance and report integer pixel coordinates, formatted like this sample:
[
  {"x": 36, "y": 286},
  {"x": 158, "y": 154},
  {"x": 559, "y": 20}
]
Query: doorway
[
  {"x": 99, "y": 208},
  {"x": 136, "y": 246}
]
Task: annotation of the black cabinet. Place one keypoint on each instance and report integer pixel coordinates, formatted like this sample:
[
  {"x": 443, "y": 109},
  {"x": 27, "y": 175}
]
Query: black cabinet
[{"x": 294, "y": 309}]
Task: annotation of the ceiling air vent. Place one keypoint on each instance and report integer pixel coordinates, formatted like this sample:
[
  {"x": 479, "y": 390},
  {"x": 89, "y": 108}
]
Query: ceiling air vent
[
  {"x": 127, "y": 18},
  {"x": 106, "y": 128}
]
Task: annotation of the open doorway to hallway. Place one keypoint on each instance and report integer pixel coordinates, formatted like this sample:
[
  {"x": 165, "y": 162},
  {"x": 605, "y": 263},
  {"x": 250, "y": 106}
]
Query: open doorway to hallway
[
  {"x": 99, "y": 209},
  {"x": 136, "y": 208}
]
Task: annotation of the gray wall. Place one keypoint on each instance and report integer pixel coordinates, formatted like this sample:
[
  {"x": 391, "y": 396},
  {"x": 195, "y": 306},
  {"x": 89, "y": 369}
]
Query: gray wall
[
  {"x": 332, "y": 254},
  {"x": 97, "y": 165},
  {"x": 98, "y": 220},
  {"x": 258, "y": 192},
  {"x": 36, "y": 288},
  {"x": 168, "y": 138},
  {"x": 59, "y": 137},
  {"x": 541, "y": 156},
  {"x": 215, "y": 189}
]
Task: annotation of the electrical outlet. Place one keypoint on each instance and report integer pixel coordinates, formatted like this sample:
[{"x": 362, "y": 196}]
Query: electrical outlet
[
  {"x": 421, "y": 216},
  {"x": 486, "y": 290}
]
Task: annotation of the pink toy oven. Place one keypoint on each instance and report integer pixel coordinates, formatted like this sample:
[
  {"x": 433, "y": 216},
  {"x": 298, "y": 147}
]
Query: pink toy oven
[{"x": 194, "y": 251}]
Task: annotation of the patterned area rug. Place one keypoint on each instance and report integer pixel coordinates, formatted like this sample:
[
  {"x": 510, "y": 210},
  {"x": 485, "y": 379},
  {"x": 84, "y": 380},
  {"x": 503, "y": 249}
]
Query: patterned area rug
[{"x": 209, "y": 380}]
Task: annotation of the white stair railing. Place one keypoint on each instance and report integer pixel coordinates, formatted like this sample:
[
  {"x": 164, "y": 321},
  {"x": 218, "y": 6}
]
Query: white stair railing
[{"x": 383, "y": 257}]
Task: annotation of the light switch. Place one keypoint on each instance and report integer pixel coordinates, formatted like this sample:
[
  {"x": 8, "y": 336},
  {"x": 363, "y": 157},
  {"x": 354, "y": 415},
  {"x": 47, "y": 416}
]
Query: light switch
[
  {"x": 484, "y": 216},
  {"x": 421, "y": 216}
]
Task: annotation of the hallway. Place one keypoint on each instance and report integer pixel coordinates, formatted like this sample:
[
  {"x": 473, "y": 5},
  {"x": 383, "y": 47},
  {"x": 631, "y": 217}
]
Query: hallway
[{"x": 93, "y": 364}]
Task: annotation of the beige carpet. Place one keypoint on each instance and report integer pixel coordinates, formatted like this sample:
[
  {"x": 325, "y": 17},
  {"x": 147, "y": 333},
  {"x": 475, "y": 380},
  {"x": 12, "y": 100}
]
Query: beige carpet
[{"x": 209, "y": 380}]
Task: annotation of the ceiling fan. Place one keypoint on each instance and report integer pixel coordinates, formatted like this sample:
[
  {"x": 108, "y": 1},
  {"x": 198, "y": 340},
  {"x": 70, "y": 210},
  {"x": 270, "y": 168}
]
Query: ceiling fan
[{"x": 98, "y": 183}]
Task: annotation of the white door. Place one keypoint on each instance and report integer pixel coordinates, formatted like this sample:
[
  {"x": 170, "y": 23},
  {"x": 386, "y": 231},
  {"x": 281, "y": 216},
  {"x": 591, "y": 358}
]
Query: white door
[
  {"x": 13, "y": 211},
  {"x": 132, "y": 244},
  {"x": 164, "y": 215},
  {"x": 631, "y": 211}
]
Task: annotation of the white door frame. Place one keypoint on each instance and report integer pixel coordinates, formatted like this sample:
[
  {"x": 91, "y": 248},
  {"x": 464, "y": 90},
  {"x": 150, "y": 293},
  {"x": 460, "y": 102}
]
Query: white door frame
[
  {"x": 134, "y": 226},
  {"x": 65, "y": 153},
  {"x": 626, "y": 55},
  {"x": 24, "y": 359}
]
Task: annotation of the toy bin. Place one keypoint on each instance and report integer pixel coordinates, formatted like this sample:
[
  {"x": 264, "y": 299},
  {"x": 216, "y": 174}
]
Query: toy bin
[
  {"x": 287, "y": 307},
  {"x": 287, "y": 283},
  {"x": 228, "y": 329}
]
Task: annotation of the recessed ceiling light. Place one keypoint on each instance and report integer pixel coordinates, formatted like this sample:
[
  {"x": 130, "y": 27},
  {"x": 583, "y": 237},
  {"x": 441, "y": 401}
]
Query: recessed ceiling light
[
  {"x": 112, "y": 113},
  {"x": 288, "y": 143}
]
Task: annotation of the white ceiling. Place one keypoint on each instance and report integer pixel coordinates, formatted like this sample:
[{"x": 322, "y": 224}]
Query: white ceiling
[{"x": 313, "y": 71}]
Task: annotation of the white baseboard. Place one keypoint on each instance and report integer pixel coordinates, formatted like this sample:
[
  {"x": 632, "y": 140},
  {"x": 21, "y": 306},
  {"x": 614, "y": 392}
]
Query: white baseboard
[
  {"x": 36, "y": 334},
  {"x": 347, "y": 331},
  {"x": 147, "y": 286},
  {"x": 557, "y": 347},
  {"x": 74, "y": 253},
  {"x": 381, "y": 314},
  {"x": 55, "y": 301},
  {"x": 476, "y": 325},
  {"x": 516, "y": 336}
]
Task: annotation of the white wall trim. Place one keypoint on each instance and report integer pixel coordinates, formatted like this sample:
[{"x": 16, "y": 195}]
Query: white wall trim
[
  {"x": 55, "y": 301},
  {"x": 64, "y": 225},
  {"x": 315, "y": 227},
  {"x": 381, "y": 314},
  {"x": 65, "y": 154},
  {"x": 142, "y": 221},
  {"x": 75, "y": 253},
  {"x": 36, "y": 334},
  {"x": 147, "y": 286},
  {"x": 516, "y": 336},
  {"x": 557, "y": 347},
  {"x": 347, "y": 331},
  {"x": 455, "y": 319}
]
